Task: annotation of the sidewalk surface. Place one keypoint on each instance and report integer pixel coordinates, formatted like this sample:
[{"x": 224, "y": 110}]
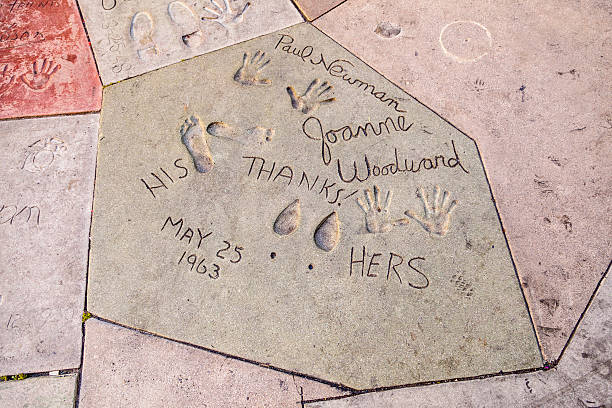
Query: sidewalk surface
[{"x": 277, "y": 203}]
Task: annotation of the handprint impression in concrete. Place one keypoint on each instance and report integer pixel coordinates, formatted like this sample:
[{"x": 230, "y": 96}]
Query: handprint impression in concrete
[
  {"x": 377, "y": 216},
  {"x": 312, "y": 98},
  {"x": 437, "y": 216},
  {"x": 224, "y": 15},
  {"x": 39, "y": 79},
  {"x": 248, "y": 73}
]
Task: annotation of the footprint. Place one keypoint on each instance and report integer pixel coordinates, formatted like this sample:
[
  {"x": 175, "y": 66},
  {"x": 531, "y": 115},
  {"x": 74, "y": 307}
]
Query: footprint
[
  {"x": 289, "y": 219},
  {"x": 183, "y": 16},
  {"x": 259, "y": 134},
  {"x": 141, "y": 31},
  {"x": 327, "y": 233},
  {"x": 255, "y": 134},
  {"x": 193, "y": 138},
  {"x": 221, "y": 129}
]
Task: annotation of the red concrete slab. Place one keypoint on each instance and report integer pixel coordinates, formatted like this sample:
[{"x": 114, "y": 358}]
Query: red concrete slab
[
  {"x": 46, "y": 64},
  {"x": 532, "y": 86}
]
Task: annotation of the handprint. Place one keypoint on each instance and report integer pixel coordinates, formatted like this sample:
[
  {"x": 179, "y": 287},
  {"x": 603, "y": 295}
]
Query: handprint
[
  {"x": 38, "y": 80},
  {"x": 310, "y": 101},
  {"x": 6, "y": 80},
  {"x": 225, "y": 15},
  {"x": 377, "y": 215},
  {"x": 437, "y": 216},
  {"x": 248, "y": 73}
]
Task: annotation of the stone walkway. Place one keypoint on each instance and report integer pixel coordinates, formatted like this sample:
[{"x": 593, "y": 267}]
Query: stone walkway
[{"x": 222, "y": 203}]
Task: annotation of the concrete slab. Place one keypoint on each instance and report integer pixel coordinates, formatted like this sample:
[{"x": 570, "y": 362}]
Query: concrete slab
[
  {"x": 137, "y": 36},
  {"x": 123, "y": 367},
  {"x": 313, "y": 9},
  {"x": 47, "y": 168},
  {"x": 582, "y": 379},
  {"x": 46, "y": 65},
  {"x": 48, "y": 392},
  {"x": 532, "y": 88},
  {"x": 241, "y": 223}
]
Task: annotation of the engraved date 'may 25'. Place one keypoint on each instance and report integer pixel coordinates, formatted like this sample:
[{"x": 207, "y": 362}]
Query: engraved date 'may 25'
[{"x": 225, "y": 252}]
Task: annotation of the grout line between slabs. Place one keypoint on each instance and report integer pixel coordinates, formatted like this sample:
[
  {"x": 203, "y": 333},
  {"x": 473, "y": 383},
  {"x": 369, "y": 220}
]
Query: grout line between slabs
[
  {"x": 299, "y": 9},
  {"x": 220, "y": 353},
  {"x": 511, "y": 254},
  {"x": 50, "y": 115},
  {"x": 330, "y": 10},
  {"x": 428, "y": 383},
  {"x": 584, "y": 312},
  {"x": 207, "y": 53},
  {"x": 93, "y": 55},
  {"x": 77, "y": 393},
  {"x": 482, "y": 377}
]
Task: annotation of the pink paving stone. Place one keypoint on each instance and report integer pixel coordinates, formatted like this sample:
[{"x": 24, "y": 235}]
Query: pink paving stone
[
  {"x": 314, "y": 8},
  {"x": 126, "y": 368},
  {"x": 46, "y": 65},
  {"x": 531, "y": 86}
]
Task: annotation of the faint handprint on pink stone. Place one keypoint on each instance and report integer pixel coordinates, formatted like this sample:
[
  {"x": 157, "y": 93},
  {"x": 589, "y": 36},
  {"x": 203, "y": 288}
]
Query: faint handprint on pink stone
[
  {"x": 6, "y": 79},
  {"x": 38, "y": 79},
  {"x": 225, "y": 15}
]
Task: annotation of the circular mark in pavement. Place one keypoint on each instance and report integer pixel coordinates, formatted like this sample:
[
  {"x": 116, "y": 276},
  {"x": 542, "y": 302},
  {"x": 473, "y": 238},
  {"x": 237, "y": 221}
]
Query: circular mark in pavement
[{"x": 465, "y": 41}]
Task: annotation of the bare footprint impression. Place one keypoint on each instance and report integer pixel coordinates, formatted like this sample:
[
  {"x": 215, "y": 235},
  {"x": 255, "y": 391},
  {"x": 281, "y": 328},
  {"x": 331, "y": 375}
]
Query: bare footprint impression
[
  {"x": 194, "y": 140},
  {"x": 255, "y": 134},
  {"x": 184, "y": 17},
  {"x": 141, "y": 31}
]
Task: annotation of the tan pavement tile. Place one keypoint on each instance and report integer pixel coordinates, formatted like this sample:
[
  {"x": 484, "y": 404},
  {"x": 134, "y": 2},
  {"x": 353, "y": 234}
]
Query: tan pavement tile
[{"x": 246, "y": 207}]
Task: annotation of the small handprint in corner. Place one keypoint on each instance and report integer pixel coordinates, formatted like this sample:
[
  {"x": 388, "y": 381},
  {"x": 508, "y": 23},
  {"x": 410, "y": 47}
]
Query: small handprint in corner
[
  {"x": 249, "y": 72},
  {"x": 377, "y": 216},
  {"x": 312, "y": 98},
  {"x": 436, "y": 217},
  {"x": 224, "y": 15},
  {"x": 6, "y": 79},
  {"x": 39, "y": 79}
]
